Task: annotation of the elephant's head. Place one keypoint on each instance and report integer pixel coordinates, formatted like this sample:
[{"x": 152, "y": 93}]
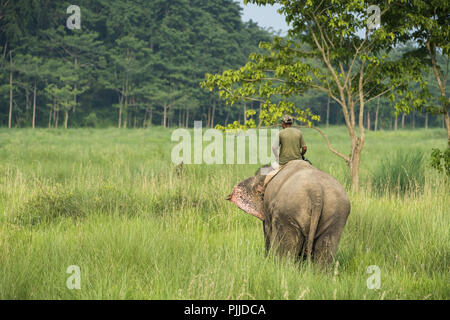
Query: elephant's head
[{"x": 248, "y": 194}]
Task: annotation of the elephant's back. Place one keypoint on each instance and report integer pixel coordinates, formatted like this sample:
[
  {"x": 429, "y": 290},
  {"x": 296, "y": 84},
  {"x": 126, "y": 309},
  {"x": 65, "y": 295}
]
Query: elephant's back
[
  {"x": 301, "y": 178},
  {"x": 294, "y": 181},
  {"x": 308, "y": 174}
]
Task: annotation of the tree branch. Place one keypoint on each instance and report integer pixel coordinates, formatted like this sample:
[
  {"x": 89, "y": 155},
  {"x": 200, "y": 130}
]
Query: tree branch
[{"x": 347, "y": 159}]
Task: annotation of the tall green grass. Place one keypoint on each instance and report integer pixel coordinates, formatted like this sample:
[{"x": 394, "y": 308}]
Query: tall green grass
[
  {"x": 111, "y": 202},
  {"x": 401, "y": 172}
]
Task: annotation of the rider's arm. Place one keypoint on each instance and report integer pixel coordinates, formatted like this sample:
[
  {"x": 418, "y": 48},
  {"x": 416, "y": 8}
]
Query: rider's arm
[{"x": 275, "y": 146}]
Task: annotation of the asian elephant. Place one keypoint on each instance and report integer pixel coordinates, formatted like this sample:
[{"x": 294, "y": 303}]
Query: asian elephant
[{"x": 303, "y": 210}]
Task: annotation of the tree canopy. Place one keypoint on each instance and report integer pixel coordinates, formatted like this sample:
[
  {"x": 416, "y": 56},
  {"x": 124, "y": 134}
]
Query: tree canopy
[
  {"x": 131, "y": 63},
  {"x": 137, "y": 63}
]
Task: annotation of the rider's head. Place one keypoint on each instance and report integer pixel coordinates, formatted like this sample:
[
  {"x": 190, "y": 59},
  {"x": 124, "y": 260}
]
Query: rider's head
[{"x": 286, "y": 121}]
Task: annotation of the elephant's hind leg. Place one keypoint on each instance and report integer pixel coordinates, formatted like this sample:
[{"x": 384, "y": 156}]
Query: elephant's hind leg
[
  {"x": 325, "y": 249},
  {"x": 288, "y": 240},
  {"x": 326, "y": 244}
]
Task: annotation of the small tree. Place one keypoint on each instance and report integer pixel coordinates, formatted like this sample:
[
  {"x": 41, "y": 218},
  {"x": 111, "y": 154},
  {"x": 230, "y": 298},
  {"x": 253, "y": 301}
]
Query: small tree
[
  {"x": 31, "y": 69},
  {"x": 63, "y": 98},
  {"x": 64, "y": 87},
  {"x": 325, "y": 51},
  {"x": 128, "y": 60}
]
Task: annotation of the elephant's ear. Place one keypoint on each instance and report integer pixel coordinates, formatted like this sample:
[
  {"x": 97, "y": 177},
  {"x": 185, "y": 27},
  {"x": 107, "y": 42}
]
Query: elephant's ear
[{"x": 250, "y": 202}]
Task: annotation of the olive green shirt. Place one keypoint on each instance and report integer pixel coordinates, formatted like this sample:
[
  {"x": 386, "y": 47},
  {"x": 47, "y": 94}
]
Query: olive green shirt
[{"x": 291, "y": 142}]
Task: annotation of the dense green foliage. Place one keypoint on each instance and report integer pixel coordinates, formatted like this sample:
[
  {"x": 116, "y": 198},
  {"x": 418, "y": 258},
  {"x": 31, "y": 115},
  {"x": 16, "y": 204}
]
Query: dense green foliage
[
  {"x": 111, "y": 202},
  {"x": 440, "y": 160},
  {"x": 131, "y": 61},
  {"x": 134, "y": 60}
]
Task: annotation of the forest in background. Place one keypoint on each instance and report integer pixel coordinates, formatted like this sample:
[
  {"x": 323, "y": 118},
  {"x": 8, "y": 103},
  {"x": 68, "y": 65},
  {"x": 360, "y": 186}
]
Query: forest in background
[{"x": 139, "y": 63}]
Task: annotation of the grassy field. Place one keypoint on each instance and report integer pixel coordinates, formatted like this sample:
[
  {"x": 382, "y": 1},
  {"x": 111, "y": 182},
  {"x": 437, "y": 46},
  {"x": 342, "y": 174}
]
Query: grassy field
[{"x": 111, "y": 202}]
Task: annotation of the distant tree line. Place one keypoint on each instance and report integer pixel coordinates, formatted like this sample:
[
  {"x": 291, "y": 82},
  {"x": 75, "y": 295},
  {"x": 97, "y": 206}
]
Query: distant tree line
[
  {"x": 133, "y": 63},
  {"x": 136, "y": 63}
]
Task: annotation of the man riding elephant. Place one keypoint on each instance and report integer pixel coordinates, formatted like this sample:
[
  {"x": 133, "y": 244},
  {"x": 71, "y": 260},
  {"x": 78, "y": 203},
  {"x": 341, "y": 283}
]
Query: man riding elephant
[
  {"x": 303, "y": 209},
  {"x": 291, "y": 142},
  {"x": 291, "y": 145}
]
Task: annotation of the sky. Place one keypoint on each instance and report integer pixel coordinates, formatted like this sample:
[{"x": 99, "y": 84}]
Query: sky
[{"x": 266, "y": 16}]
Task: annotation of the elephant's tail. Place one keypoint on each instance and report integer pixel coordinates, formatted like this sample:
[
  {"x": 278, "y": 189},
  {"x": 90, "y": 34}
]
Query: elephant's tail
[{"x": 316, "y": 211}]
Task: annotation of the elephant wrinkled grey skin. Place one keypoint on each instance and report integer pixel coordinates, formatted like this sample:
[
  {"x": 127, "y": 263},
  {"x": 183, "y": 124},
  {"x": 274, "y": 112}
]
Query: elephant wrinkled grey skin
[{"x": 303, "y": 210}]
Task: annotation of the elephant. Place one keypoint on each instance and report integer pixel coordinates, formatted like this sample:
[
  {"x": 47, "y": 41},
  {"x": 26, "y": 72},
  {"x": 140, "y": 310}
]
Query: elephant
[{"x": 303, "y": 210}]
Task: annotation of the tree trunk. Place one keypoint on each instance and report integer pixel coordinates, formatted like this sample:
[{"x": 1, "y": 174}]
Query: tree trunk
[
  {"x": 120, "y": 111},
  {"x": 57, "y": 119},
  {"x": 426, "y": 120},
  {"x": 120, "y": 116},
  {"x": 66, "y": 119},
  {"x": 328, "y": 112},
  {"x": 54, "y": 112},
  {"x": 413, "y": 115},
  {"x": 75, "y": 86},
  {"x": 213, "y": 112},
  {"x": 260, "y": 121},
  {"x": 34, "y": 106},
  {"x": 50, "y": 117},
  {"x": 245, "y": 112},
  {"x": 144, "y": 123},
  {"x": 368, "y": 120},
  {"x": 125, "y": 106},
  {"x": 357, "y": 142},
  {"x": 354, "y": 163},
  {"x": 125, "y": 113},
  {"x": 208, "y": 121},
  {"x": 376, "y": 115},
  {"x": 10, "y": 91},
  {"x": 187, "y": 118},
  {"x": 164, "y": 120},
  {"x": 27, "y": 104},
  {"x": 354, "y": 171},
  {"x": 403, "y": 120},
  {"x": 447, "y": 125},
  {"x": 150, "y": 121},
  {"x": 442, "y": 86},
  {"x": 135, "y": 111},
  {"x": 396, "y": 123}
]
